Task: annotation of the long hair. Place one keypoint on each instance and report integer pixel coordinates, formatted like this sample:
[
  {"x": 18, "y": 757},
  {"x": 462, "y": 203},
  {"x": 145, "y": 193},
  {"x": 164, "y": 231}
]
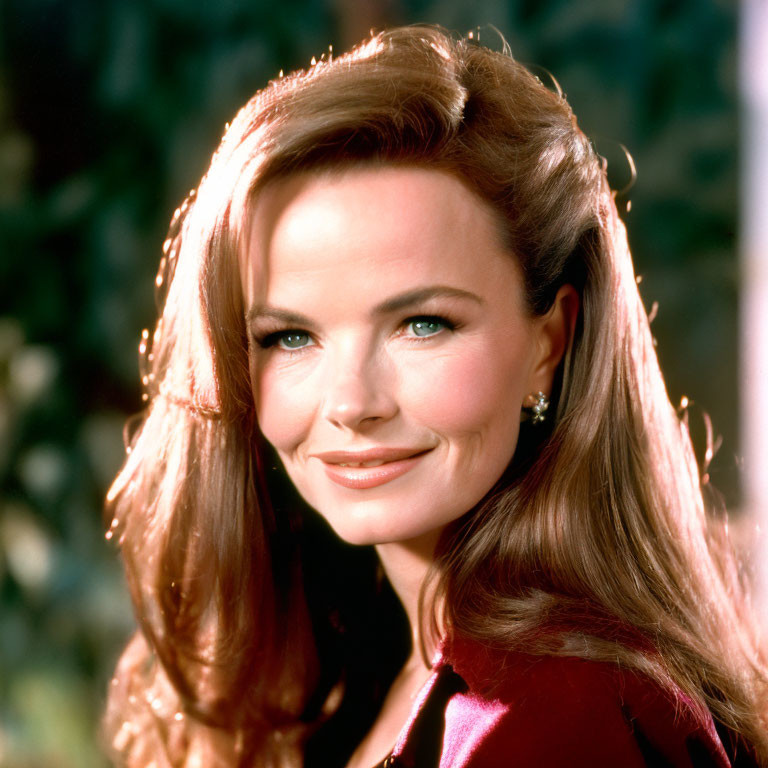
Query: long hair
[{"x": 595, "y": 543}]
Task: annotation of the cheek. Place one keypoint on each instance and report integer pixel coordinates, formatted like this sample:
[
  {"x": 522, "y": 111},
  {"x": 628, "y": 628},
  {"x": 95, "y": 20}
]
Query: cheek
[
  {"x": 474, "y": 390},
  {"x": 284, "y": 407}
]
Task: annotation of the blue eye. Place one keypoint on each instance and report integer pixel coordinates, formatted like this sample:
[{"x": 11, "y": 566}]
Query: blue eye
[
  {"x": 293, "y": 340},
  {"x": 288, "y": 340},
  {"x": 427, "y": 326}
]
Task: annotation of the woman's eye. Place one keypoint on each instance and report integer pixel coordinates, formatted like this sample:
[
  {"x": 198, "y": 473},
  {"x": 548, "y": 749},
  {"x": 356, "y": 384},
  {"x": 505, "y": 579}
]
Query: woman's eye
[
  {"x": 294, "y": 340},
  {"x": 427, "y": 326},
  {"x": 288, "y": 340}
]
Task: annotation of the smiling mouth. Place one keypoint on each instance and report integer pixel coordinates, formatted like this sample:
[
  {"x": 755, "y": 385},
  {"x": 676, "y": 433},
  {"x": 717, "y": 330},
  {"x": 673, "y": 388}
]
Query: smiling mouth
[{"x": 360, "y": 475}]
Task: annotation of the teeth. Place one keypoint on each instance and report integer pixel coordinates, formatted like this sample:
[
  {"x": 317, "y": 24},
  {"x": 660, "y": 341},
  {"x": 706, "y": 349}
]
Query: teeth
[{"x": 377, "y": 463}]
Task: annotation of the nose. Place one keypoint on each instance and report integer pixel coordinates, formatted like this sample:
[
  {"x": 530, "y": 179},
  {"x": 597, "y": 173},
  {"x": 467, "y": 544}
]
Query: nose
[{"x": 358, "y": 391}]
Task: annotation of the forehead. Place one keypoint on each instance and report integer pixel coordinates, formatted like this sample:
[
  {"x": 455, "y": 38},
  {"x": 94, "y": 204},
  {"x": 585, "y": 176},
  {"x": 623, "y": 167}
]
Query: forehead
[{"x": 370, "y": 230}]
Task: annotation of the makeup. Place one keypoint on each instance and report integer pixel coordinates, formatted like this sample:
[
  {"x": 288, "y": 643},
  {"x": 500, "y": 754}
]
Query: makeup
[{"x": 364, "y": 477}]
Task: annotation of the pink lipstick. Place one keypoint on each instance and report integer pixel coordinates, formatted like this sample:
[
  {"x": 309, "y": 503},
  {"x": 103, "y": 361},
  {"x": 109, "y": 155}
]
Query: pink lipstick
[{"x": 369, "y": 468}]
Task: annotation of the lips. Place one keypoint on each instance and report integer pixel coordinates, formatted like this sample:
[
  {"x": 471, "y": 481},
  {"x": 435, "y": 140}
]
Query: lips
[{"x": 371, "y": 467}]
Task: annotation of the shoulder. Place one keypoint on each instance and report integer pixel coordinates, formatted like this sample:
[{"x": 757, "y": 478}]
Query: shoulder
[{"x": 553, "y": 711}]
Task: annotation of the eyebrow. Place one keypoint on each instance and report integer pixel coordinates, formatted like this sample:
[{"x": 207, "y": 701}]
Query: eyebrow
[{"x": 395, "y": 304}]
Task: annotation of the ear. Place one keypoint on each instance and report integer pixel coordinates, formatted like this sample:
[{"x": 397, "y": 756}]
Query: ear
[{"x": 553, "y": 333}]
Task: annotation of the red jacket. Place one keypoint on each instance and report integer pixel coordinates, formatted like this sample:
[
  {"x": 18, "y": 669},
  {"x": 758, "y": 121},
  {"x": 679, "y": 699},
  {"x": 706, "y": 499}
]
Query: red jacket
[{"x": 489, "y": 709}]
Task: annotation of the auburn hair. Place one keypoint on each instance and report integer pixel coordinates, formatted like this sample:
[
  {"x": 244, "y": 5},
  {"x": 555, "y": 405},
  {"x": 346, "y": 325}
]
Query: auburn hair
[{"x": 256, "y": 626}]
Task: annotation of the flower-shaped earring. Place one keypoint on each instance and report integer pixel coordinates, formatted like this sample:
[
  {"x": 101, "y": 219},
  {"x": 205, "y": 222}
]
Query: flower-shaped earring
[{"x": 535, "y": 407}]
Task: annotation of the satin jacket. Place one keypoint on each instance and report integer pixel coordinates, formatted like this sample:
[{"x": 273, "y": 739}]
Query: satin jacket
[{"x": 488, "y": 709}]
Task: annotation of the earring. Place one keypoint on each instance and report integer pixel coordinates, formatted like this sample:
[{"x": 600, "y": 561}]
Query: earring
[{"x": 535, "y": 407}]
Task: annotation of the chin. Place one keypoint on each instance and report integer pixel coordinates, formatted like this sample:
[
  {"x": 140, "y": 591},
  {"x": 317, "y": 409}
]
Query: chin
[
  {"x": 361, "y": 532},
  {"x": 382, "y": 527}
]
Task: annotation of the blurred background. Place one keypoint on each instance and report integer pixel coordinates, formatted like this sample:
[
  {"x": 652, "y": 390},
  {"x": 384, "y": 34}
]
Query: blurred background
[{"x": 109, "y": 111}]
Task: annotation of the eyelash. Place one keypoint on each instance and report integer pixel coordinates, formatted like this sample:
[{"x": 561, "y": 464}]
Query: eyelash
[
  {"x": 439, "y": 319},
  {"x": 272, "y": 339}
]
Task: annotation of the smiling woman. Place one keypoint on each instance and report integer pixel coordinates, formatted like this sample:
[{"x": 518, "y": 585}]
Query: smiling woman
[
  {"x": 409, "y": 358},
  {"x": 403, "y": 290}
]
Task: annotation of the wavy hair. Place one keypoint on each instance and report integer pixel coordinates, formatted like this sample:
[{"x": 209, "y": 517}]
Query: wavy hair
[{"x": 253, "y": 639}]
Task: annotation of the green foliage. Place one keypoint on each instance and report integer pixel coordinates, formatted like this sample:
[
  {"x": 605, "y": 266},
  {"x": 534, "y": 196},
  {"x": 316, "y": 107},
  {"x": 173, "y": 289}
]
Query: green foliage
[{"x": 108, "y": 114}]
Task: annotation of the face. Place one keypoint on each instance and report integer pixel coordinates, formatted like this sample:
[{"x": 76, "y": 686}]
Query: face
[{"x": 391, "y": 350}]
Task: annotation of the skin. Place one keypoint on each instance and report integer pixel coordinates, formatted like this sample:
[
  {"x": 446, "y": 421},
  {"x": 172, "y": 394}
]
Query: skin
[{"x": 443, "y": 377}]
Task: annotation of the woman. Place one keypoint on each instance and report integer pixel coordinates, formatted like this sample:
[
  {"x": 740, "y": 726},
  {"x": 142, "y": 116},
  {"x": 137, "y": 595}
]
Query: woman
[{"x": 394, "y": 259}]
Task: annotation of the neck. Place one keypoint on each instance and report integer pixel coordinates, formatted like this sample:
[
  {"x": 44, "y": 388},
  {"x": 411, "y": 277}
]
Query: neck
[{"x": 406, "y": 564}]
